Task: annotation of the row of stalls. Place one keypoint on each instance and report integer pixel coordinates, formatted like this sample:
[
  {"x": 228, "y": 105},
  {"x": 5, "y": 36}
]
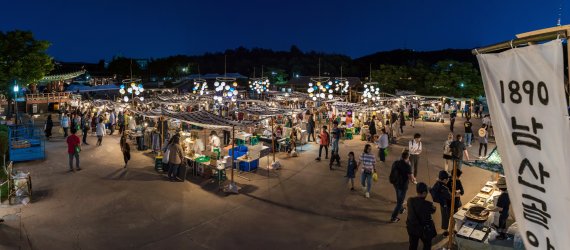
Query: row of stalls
[{"x": 215, "y": 138}]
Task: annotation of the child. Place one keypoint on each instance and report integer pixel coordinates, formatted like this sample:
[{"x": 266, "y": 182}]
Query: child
[{"x": 351, "y": 170}]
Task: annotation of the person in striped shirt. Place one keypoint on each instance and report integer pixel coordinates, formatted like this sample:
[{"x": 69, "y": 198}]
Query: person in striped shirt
[{"x": 367, "y": 162}]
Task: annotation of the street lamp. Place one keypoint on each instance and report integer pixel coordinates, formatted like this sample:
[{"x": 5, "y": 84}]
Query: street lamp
[{"x": 16, "y": 89}]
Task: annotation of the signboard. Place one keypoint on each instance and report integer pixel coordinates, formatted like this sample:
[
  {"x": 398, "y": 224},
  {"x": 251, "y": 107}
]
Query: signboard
[
  {"x": 525, "y": 91},
  {"x": 34, "y": 108}
]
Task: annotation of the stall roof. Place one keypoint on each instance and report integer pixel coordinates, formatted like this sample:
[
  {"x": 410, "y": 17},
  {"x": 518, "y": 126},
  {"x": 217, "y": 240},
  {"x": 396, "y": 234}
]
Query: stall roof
[{"x": 201, "y": 118}]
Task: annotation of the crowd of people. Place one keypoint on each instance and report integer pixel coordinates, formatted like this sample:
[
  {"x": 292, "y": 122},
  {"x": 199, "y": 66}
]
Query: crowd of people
[
  {"x": 88, "y": 123},
  {"x": 404, "y": 171}
]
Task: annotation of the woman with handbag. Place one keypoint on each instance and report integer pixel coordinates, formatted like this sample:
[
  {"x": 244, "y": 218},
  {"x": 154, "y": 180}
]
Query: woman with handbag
[
  {"x": 175, "y": 158},
  {"x": 420, "y": 224},
  {"x": 368, "y": 162}
]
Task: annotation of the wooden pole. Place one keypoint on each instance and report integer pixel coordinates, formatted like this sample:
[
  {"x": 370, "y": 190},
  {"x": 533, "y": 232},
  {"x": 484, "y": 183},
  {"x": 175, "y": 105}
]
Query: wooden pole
[
  {"x": 233, "y": 150},
  {"x": 451, "y": 212},
  {"x": 273, "y": 136}
]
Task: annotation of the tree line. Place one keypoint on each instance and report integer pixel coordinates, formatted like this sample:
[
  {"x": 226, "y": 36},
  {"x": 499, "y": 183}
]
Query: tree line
[{"x": 448, "y": 72}]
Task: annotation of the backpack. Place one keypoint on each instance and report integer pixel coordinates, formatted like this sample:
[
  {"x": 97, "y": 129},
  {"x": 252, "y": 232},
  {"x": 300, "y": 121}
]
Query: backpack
[
  {"x": 395, "y": 176},
  {"x": 435, "y": 193}
]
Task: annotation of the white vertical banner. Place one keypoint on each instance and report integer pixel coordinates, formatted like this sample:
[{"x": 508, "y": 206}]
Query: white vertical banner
[{"x": 525, "y": 92}]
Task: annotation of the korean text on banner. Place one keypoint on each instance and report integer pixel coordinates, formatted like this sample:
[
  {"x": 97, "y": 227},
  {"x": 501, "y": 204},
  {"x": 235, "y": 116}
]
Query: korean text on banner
[{"x": 525, "y": 92}]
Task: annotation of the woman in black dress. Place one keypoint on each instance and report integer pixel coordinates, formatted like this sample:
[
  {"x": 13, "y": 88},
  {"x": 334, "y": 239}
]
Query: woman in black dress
[
  {"x": 126, "y": 149},
  {"x": 49, "y": 126}
]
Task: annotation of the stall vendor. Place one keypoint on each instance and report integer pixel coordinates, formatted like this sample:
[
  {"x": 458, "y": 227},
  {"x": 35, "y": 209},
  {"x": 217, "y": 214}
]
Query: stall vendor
[
  {"x": 198, "y": 145},
  {"x": 349, "y": 120},
  {"x": 267, "y": 133},
  {"x": 502, "y": 207},
  {"x": 214, "y": 141}
]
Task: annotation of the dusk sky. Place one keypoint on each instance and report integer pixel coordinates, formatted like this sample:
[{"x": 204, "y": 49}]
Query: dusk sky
[{"x": 99, "y": 29}]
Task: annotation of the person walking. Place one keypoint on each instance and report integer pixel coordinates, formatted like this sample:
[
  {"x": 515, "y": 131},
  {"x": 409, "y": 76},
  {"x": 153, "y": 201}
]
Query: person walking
[
  {"x": 483, "y": 140},
  {"x": 336, "y": 135},
  {"x": 100, "y": 131},
  {"x": 324, "y": 136},
  {"x": 121, "y": 122},
  {"x": 402, "y": 121},
  {"x": 112, "y": 122},
  {"x": 452, "y": 117},
  {"x": 311, "y": 128},
  {"x": 351, "y": 170},
  {"x": 85, "y": 127},
  {"x": 73, "y": 150},
  {"x": 65, "y": 124},
  {"x": 420, "y": 224},
  {"x": 415, "y": 148},
  {"x": 458, "y": 150},
  {"x": 175, "y": 158},
  {"x": 48, "y": 127},
  {"x": 442, "y": 195},
  {"x": 400, "y": 176},
  {"x": 447, "y": 154},
  {"x": 468, "y": 131},
  {"x": 382, "y": 144},
  {"x": 368, "y": 162},
  {"x": 372, "y": 128},
  {"x": 126, "y": 149}
]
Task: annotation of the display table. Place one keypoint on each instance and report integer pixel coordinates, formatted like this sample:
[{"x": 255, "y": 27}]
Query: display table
[
  {"x": 475, "y": 235},
  {"x": 469, "y": 244},
  {"x": 248, "y": 160},
  {"x": 243, "y": 136}
]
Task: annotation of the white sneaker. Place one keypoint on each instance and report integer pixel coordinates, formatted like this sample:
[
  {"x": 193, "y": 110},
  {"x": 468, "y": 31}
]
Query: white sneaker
[{"x": 367, "y": 195}]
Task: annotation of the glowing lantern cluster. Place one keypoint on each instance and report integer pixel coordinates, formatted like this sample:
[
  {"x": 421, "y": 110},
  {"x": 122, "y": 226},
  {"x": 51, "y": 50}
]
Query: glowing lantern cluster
[
  {"x": 259, "y": 86},
  {"x": 371, "y": 93},
  {"x": 226, "y": 90},
  {"x": 200, "y": 87},
  {"x": 320, "y": 90},
  {"x": 133, "y": 90},
  {"x": 341, "y": 86}
]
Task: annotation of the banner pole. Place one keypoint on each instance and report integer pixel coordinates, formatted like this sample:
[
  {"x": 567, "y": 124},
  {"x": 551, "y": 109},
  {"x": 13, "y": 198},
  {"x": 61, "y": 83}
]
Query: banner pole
[{"x": 451, "y": 224}]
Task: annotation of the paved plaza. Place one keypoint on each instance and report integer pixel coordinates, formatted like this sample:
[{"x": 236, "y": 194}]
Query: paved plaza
[{"x": 303, "y": 206}]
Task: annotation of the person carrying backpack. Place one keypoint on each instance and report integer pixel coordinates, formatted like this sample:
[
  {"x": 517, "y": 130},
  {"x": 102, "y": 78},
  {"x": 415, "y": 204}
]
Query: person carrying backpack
[
  {"x": 400, "y": 175},
  {"x": 441, "y": 194}
]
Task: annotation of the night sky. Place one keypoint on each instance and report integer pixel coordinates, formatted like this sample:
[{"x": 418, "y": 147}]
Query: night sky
[{"x": 99, "y": 29}]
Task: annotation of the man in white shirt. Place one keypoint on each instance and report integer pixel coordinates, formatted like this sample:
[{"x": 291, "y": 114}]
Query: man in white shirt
[
  {"x": 382, "y": 143},
  {"x": 214, "y": 140},
  {"x": 415, "y": 148}
]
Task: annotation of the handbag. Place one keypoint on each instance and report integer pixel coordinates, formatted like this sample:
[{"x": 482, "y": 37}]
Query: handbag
[
  {"x": 77, "y": 149},
  {"x": 166, "y": 156},
  {"x": 375, "y": 176}
]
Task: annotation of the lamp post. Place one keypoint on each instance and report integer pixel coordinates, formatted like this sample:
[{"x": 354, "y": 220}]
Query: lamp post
[{"x": 16, "y": 89}]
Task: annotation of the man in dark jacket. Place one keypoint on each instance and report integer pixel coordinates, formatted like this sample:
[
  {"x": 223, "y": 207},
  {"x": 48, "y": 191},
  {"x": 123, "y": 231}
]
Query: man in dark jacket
[
  {"x": 403, "y": 170},
  {"x": 441, "y": 194},
  {"x": 419, "y": 218},
  {"x": 372, "y": 128}
]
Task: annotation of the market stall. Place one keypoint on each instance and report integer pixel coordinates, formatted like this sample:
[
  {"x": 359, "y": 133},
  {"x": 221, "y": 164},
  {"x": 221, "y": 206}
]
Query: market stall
[{"x": 475, "y": 221}]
